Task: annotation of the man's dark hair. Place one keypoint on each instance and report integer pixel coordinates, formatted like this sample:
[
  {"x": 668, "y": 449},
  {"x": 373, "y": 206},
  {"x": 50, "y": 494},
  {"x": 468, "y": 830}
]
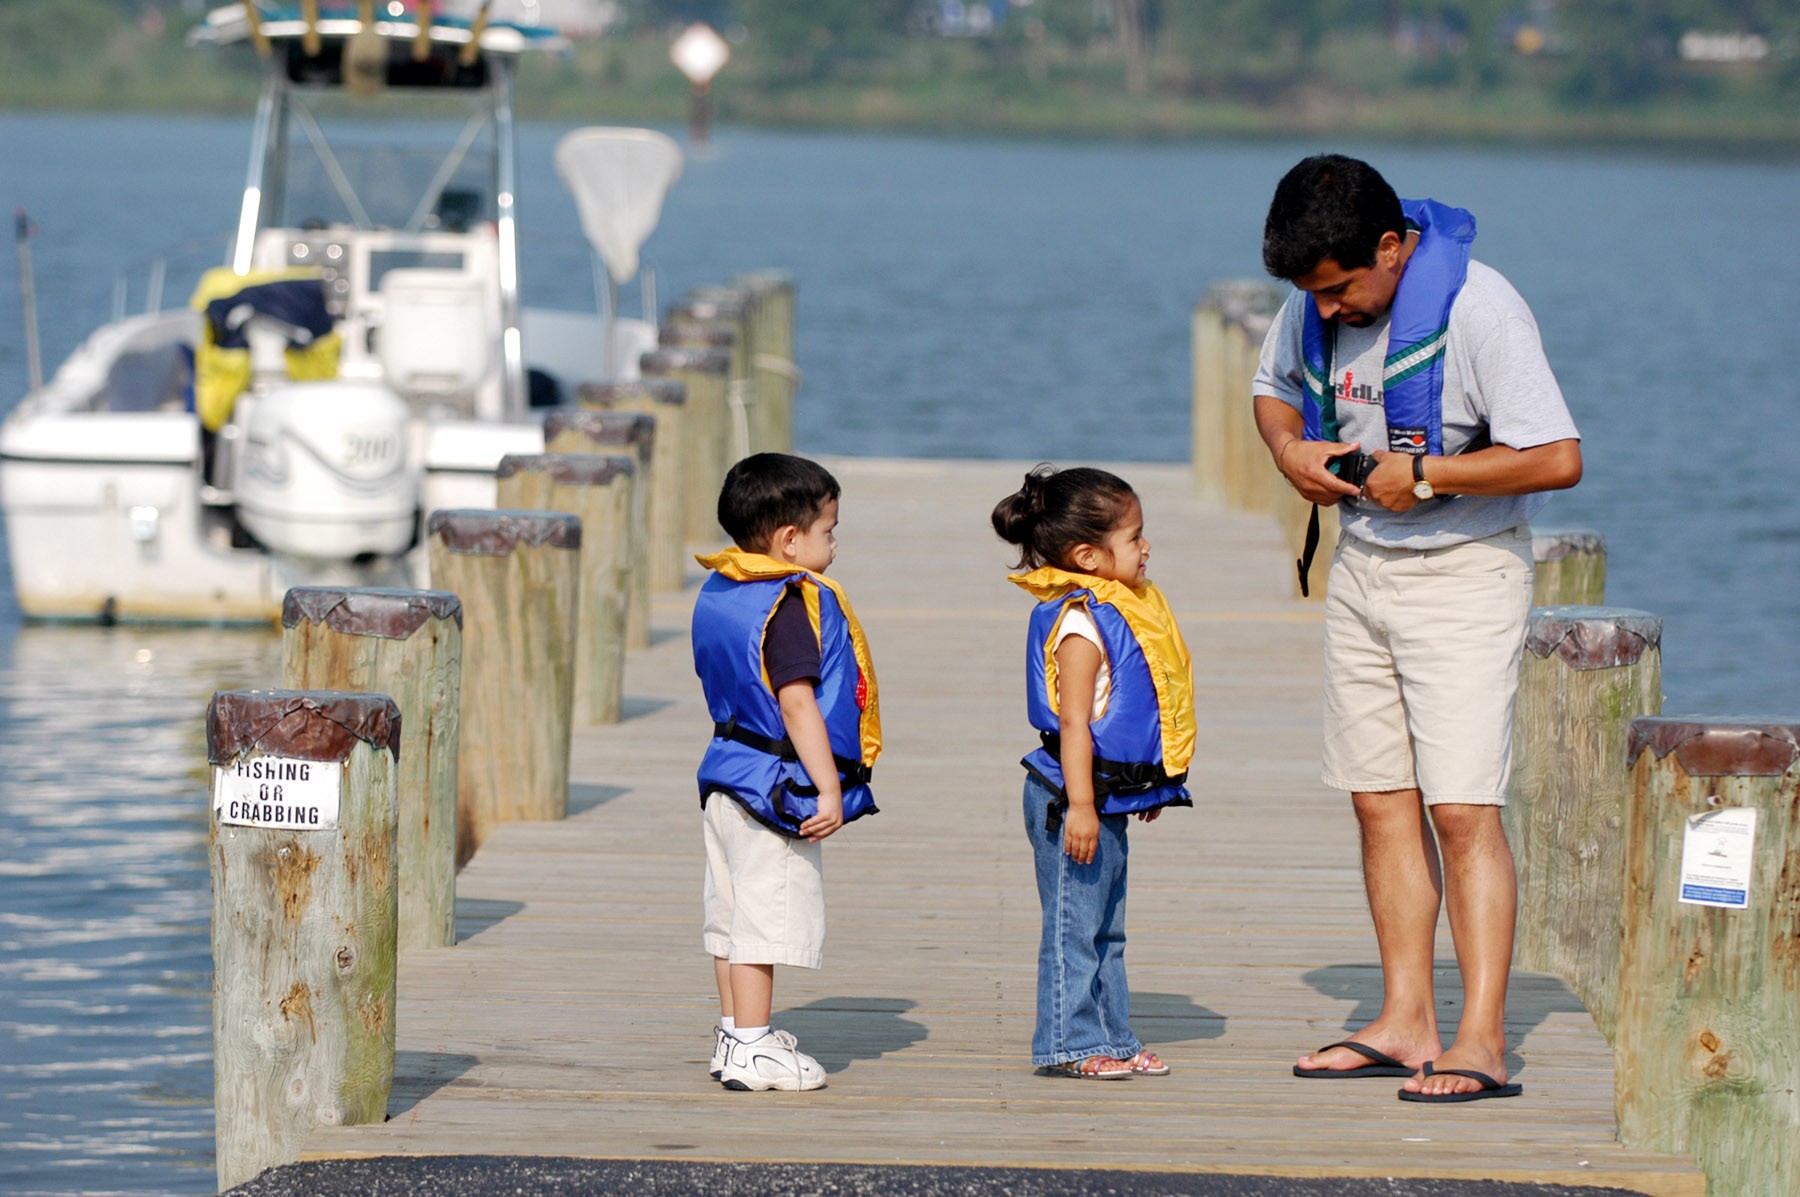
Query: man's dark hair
[
  {"x": 1328, "y": 206},
  {"x": 769, "y": 491}
]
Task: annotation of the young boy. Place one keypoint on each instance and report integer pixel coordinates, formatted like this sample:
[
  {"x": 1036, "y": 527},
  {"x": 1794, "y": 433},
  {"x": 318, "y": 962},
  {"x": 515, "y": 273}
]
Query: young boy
[{"x": 791, "y": 691}]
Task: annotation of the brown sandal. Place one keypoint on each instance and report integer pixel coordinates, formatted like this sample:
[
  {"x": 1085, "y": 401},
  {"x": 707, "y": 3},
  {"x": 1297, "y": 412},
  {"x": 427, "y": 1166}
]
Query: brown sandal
[{"x": 1091, "y": 1069}]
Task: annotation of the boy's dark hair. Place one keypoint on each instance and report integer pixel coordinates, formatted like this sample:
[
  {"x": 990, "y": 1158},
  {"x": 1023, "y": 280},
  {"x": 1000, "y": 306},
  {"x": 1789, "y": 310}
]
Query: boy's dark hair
[
  {"x": 1056, "y": 510},
  {"x": 1328, "y": 206},
  {"x": 769, "y": 491}
]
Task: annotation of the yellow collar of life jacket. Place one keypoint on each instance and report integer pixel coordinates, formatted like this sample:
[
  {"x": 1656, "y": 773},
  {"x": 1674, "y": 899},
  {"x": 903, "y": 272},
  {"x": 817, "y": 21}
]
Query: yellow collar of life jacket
[
  {"x": 1147, "y": 613},
  {"x": 742, "y": 566}
]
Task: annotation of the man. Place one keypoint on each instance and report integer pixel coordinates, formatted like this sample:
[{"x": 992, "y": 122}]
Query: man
[{"x": 1398, "y": 345}]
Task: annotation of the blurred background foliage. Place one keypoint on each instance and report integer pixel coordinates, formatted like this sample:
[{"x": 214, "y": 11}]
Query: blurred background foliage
[{"x": 1724, "y": 72}]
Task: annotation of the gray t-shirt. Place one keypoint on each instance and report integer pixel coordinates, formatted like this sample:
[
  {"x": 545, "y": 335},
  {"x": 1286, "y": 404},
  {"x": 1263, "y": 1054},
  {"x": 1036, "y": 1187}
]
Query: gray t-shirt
[{"x": 1495, "y": 379}]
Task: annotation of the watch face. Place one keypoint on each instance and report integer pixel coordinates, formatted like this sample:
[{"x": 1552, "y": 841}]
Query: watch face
[{"x": 1422, "y": 490}]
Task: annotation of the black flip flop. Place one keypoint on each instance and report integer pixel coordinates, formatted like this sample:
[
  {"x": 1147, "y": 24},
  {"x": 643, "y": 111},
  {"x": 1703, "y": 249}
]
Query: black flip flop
[
  {"x": 1384, "y": 1065},
  {"x": 1489, "y": 1087}
]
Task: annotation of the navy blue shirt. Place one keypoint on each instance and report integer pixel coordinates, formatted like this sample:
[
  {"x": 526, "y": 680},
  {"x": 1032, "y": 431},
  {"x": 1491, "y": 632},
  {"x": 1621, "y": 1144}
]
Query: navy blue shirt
[{"x": 791, "y": 649}]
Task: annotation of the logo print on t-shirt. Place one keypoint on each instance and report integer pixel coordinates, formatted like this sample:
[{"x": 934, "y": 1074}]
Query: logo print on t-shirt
[{"x": 1349, "y": 392}]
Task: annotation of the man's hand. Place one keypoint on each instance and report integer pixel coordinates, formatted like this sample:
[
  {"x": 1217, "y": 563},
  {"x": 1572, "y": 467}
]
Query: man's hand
[
  {"x": 1390, "y": 483},
  {"x": 1081, "y": 833},
  {"x": 1302, "y": 463},
  {"x": 829, "y": 818}
]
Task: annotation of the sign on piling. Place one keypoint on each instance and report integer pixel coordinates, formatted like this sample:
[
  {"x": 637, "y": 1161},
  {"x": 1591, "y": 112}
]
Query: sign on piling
[
  {"x": 1709, "y": 1041},
  {"x": 598, "y": 490},
  {"x": 305, "y": 917},
  {"x": 406, "y": 644},
  {"x": 1586, "y": 673},
  {"x": 608, "y": 433},
  {"x": 517, "y": 573}
]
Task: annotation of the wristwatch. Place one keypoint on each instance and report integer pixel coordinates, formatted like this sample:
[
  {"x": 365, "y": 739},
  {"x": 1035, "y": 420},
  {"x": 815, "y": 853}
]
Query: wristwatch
[{"x": 1421, "y": 488}]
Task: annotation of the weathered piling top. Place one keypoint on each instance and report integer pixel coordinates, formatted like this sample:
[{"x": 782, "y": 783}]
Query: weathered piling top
[{"x": 574, "y": 1016}]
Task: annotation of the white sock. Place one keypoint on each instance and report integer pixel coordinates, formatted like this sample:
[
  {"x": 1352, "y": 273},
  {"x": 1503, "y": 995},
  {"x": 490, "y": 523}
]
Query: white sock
[
  {"x": 727, "y": 1022},
  {"x": 747, "y": 1034}
]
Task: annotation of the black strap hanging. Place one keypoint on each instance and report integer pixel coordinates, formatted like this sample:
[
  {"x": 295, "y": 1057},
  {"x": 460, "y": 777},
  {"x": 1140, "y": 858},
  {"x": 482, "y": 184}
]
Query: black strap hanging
[{"x": 1304, "y": 564}]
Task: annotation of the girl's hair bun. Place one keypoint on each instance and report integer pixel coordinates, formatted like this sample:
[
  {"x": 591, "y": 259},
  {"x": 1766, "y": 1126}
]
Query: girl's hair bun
[
  {"x": 1018, "y": 513},
  {"x": 1057, "y": 510}
]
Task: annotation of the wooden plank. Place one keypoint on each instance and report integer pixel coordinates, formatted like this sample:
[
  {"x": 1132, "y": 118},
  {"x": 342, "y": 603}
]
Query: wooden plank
[{"x": 574, "y": 1016}]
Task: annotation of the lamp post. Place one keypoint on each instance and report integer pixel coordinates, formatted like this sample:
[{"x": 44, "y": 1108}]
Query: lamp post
[{"x": 699, "y": 53}]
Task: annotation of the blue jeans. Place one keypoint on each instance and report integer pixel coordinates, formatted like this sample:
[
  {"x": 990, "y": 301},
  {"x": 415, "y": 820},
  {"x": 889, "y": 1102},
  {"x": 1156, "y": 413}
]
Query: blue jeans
[{"x": 1083, "y": 1007}]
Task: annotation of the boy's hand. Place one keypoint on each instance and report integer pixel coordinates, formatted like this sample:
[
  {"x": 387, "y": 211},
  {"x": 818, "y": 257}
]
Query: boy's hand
[
  {"x": 828, "y": 820},
  {"x": 1149, "y": 816},
  {"x": 1081, "y": 833},
  {"x": 812, "y": 744}
]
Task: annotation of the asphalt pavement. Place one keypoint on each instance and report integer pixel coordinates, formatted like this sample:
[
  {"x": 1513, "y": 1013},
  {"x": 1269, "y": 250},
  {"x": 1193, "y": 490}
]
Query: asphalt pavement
[{"x": 560, "y": 1176}]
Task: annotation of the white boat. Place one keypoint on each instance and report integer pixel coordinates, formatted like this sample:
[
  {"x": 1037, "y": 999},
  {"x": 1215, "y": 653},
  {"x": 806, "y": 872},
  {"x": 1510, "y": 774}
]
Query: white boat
[{"x": 192, "y": 464}]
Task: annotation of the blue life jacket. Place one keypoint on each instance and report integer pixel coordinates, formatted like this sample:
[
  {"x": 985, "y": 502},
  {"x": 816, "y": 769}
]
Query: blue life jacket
[
  {"x": 1419, "y": 322},
  {"x": 1144, "y": 740},
  {"x": 750, "y": 757}
]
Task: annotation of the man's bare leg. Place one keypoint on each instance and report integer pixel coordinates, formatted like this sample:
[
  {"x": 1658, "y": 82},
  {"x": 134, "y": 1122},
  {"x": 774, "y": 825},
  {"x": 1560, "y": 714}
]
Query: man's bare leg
[
  {"x": 1482, "y": 896},
  {"x": 1400, "y": 874}
]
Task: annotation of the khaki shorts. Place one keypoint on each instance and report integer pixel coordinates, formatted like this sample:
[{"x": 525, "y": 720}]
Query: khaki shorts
[
  {"x": 1422, "y": 664},
  {"x": 765, "y": 893}
]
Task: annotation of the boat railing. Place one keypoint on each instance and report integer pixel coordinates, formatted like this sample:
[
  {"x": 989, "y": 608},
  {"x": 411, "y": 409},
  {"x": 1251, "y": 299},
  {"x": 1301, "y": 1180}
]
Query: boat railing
[{"x": 149, "y": 277}]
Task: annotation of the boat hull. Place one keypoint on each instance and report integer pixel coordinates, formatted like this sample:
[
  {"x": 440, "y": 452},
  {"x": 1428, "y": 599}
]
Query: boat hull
[{"x": 105, "y": 519}]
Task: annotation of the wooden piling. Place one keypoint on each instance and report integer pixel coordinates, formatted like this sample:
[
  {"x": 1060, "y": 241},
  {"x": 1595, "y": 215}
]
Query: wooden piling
[
  {"x": 664, "y": 399},
  {"x": 724, "y": 306},
  {"x": 517, "y": 573},
  {"x": 739, "y": 410},
  {"x": 598, "y": 490},
  {"x": 1231, "y": 464},
  {"x": 1571, "y": 567},
  {"x": 406, "y": 644},
  {"x": 1587, "y": 672},
  {"x": 771, "y": 323},
  {"x": 1709, "y": 1035},
  {"x": 305, "y": 918},
  {"x": 705, "y": 374},
  {"x": 608, "y": 433}
]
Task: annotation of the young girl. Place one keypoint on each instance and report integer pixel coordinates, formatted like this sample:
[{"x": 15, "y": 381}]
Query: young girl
[{"x": 1110, "y": 691}]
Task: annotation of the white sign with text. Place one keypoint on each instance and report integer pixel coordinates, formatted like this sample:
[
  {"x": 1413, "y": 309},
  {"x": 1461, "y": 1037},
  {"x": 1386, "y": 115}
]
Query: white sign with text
[
  {"x": 279, "y": 792},
  {"x": 1716, "y": 857}
]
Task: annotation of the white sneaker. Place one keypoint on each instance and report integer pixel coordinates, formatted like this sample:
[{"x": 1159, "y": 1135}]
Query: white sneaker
[
  {"x": 772, "y": 1062},
  {"x": 721, "y": 1037}
]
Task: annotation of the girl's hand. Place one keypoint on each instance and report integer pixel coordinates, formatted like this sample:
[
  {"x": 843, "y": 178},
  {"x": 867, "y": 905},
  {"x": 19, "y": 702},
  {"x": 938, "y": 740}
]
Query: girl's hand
[
  {"x": 1081, "y": 833},
  {"x": 1149, "y": 816}
]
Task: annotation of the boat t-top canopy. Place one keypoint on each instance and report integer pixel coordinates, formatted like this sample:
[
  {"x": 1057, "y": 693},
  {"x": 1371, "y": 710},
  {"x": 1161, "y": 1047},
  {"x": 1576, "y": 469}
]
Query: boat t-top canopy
[
  {"x": 425, "y": 24},
  {"x": 313, "y": 191}
]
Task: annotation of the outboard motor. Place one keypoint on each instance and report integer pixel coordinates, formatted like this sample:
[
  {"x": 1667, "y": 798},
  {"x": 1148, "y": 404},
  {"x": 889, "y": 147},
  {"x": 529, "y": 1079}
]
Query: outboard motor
[{"x": 324, "y": 472}]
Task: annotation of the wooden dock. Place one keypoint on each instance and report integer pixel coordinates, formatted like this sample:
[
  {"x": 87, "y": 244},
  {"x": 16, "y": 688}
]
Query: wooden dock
[{"x": 574, "y": 1016}]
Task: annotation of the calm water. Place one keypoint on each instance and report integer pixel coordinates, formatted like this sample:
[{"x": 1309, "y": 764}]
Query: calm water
[{"x": 957, "y": 298}]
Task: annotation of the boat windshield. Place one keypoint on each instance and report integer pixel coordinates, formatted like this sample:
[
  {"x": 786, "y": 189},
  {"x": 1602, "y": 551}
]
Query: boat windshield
[{"x": 379, "y": 187}]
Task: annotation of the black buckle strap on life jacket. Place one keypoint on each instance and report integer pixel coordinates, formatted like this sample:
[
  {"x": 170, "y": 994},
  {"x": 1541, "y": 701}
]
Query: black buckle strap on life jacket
[
  {"x": 854, "y": 773},
  {"x": 1117, "y": 778}
]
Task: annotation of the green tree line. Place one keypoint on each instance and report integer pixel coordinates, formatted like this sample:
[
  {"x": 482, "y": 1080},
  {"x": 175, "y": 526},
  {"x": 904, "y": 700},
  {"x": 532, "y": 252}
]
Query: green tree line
[{"x": 1403, "y": 68}]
